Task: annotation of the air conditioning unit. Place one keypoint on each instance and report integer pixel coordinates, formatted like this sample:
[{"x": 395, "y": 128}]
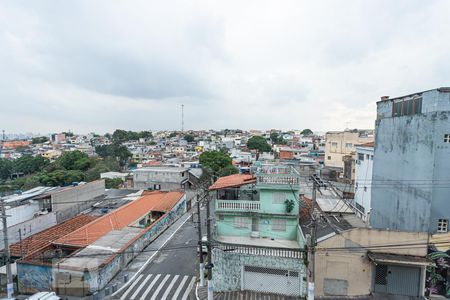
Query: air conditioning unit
[{"x": 255, "y": 234}]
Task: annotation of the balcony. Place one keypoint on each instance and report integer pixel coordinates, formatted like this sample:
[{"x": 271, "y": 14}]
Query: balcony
[
  {"x": 278, "y": 176},
  {"x": 238, "y": 205}
]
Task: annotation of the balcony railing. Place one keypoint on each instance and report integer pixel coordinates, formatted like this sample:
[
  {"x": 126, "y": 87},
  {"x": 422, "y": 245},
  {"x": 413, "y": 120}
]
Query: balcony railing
[
  {"x": 278, "y": 179},
  {"x": 238, "y": 205},
  {"x": 263, "y": 251}
]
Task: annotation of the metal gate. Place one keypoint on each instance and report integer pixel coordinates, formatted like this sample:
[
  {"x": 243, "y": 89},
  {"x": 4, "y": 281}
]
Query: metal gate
[
  {"x": 397, "y": 280},
  {"x": 267, "y": 280}
]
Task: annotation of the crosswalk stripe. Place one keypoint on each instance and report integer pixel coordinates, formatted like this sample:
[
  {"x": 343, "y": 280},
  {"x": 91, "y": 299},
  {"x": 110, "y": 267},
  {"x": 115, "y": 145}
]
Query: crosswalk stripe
[
  {"x": 124, "y": 295},
  {"x": 140, "y": 287},
  {"x": 191, "y": 284},
  {"x": 160, "y": 286},
  {"x": 150, "y": 287},
  {"x": 177, "y": 292},
  {"x": 169, "y": 288}
]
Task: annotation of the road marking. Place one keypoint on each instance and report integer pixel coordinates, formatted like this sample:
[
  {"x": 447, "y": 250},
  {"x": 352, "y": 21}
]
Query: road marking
[
  {"x": 177, "y": 292},
  {"x": 153, "y": 255},
  {"x": 191, "y": 284},
  {"x": 140, "y": 287},
  {"x": 150, "y": 287},
  {"x": 124, "y": 296},
  {"x": 169, "y": 288},
  {"x": 160, "y": 286}
]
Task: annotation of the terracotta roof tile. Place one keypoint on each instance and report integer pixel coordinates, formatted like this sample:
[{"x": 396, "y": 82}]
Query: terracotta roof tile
[
  {"x": 233, "y": 181},
  {"x": 45, "y": 238},
  {"x": 121, "y": 217}
]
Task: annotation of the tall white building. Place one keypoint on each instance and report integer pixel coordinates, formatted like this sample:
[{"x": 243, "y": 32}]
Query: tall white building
[{"x": 363, "y": 180}]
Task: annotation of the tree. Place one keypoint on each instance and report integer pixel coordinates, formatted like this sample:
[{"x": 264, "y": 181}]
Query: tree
[
  {"x": 39, "y": 140},
  {"x": 6, "y": 167},
  {"x": 189, "y": 138},
  {"x": 29, "y": 164},
  {"x": 277, "y": 138},
  {"x": 306, "y": 132},
  {"x": 113, "y": 183},
  {"x": 117, "y": 151},
  {"x": 172, "y": 134},
  {"x": 75, "y": 160},
  {"x": 258, "y": 143},
  {"x": 215, "y": 160},
  {"x": 228, "y": 170}
]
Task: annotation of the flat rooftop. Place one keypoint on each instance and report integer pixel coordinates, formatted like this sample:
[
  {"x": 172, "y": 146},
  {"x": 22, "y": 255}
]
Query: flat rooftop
[{"x": 258, "y": 242}]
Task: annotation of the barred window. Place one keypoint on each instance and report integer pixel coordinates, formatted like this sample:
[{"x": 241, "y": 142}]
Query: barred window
[
  {"x": 446, "y": 138},
  {"x": 278, "y": 197},
  {"x": 278, "y": 224},
  {"x": 240, "y": 222},
  {"x": 442, "y": 225}
]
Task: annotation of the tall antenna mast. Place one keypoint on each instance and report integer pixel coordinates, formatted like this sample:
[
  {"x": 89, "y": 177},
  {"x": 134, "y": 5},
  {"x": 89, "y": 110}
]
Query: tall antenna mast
[
  {"x": 182, "y": 118},
  {"x": 4, "y": 139}
]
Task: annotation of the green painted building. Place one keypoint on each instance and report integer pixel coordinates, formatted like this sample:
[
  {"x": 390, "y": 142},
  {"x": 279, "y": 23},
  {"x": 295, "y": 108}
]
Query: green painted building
[{"x": 258, "y": 244}]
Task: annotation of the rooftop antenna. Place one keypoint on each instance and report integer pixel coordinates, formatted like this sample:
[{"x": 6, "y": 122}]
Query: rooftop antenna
[
  {"x": 182, "y": 118},
  {"x": 4, "y": 137}
]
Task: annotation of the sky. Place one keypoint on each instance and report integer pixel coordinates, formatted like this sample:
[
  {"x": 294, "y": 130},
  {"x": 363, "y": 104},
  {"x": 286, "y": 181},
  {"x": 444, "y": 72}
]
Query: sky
[{"x": 94, "y": 66}]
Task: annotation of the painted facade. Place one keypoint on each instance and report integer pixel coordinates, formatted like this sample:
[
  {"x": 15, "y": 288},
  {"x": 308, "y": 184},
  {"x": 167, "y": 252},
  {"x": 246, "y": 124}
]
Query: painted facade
[
  {"x": 259, "y": 222},
  {"x": 411, "y": 165},
  {"x": 363, "y": 182}
]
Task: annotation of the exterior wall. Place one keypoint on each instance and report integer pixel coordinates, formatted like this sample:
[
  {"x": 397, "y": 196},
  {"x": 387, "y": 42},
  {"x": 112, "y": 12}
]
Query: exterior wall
[
  {"x": 363, "y": 182},
  {"x": 69, "y": 203},
  {"x": 21, "y": 213},
  {"x": 268, "y": 205},
  {"x": 411, "y": 165},
  {"x": 226, "y": 227},
  {"x": 337, "y": 153},
  {"x": 29, "y": 228},
  {"x": 147, "y": 178},
  {"x": 34, "y": 278},
  {"x": 227, "y": 275},
  {"x": 352, "y": 269}
]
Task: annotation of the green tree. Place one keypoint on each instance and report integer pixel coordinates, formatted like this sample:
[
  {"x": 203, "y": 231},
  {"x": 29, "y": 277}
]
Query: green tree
[
  {"x": 6, "y": 167},
  {"x": 189, "y": 138},
  {"x": 39, "y": 140},
  {"x": 228, "y": 170},
  {"x": 306, "y": 132},
  {"x": 277, "y": 138},
  {"x": 113, "y": 183},
  {"x": 258, "y": 143},
  {"x": 29, "y": 164},
  {"x": 120, "y": 152},
  {"x": 215, "y": 160},
  {"x": 172, "y": 134},
  {"x": 75, "y": 160}
]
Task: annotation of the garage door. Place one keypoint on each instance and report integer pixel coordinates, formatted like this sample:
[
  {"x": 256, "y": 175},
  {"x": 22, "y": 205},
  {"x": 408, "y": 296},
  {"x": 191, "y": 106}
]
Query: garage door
[
  {"x": 397, "y": 280},
  {"x": 268, "y": 280}
]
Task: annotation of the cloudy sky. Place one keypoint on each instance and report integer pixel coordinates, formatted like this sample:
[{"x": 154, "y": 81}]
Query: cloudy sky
[{"x": 100, "y": 65}]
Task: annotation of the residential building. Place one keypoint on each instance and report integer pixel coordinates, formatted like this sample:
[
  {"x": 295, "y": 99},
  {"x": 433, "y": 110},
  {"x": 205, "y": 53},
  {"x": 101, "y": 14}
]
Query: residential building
[
  {"x": 411, "y": 163},
  {"x": 160, "y": 178},
  {"x": 341, "y": 143},
  {"x": 82, "y": 262},
  {"x": 363, "y": 180},
  {"x": 258, "y": 244}
]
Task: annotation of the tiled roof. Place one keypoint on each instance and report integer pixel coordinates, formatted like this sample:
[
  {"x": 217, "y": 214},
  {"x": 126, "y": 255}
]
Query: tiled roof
[
  {"x": 121, "y": 217},
  {"x": 232, "y": 181},
  {"x": 367, "y": 145},
  {"x": 45, "y": 238}
]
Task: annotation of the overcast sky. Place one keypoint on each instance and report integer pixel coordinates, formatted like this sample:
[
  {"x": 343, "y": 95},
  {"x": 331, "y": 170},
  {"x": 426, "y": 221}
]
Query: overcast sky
[{"x": 101, "y": 65}]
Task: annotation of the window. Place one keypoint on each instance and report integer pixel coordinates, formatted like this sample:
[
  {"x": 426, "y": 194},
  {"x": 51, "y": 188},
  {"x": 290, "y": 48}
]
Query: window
[
  {"x": 407, "y": 107},
  {"x": 240, "y": 222},
  {"x": 333, "y": 145},
  {"x": 278, "y": 198},
  {"x": 442, "y": 225},
  {"x": 329, "y": 157},
  {"x": 360, "y": 156},
  {"x": 367, "y": 156},
  {"x": 348, "y": 146},
  {"x": 446, "y": 138},
  {"x": 371, "y": 157},
  {"x": 278, "y": 224}
]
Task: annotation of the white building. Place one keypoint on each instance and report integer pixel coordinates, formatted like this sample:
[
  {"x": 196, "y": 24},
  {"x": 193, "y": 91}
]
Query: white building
[{"x": 363, "y": 180}]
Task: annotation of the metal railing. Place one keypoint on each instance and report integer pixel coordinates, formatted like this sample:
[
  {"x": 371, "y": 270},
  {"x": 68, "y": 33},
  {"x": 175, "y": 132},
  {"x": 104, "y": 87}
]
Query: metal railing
[{"x": 256, "y": 250}]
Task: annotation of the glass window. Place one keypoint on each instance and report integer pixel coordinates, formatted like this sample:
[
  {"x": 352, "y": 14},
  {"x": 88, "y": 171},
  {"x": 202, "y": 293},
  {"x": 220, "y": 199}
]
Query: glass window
[
  {"x": 348, "y": 146},
  {"x": 334, "y": 145},
  {"x": 360, "y": 156},
  {"x": 446, "y": 138},
  {"x": 418, "y": 105},
  {"x": 408, "y": 108},
  {"x": 278, "y": 224}
]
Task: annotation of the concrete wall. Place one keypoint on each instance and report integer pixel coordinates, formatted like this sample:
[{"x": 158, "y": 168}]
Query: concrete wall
[
  {"x": 352, "y": 270},
  {"x": 29, "y": 228},
  {"x": 147, "y": 178},
  {"x": 33, "y": 278},
  {"x": 411, "y": 166},
  {"x": 70, "y": 202},
  {"x": 334, "y": 155},
  {"x": 363, "y": 181},
  {"x": 228, "y": 268},
  {"x": 269, "y": 205}
]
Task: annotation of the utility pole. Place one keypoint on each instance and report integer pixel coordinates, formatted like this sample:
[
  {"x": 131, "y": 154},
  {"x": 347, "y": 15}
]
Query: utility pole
[
  {"x": 9, "y": 287},
  {"x": 200, "y": 244},
  {"x": 317, "y": 182},
  {"x": 20, "y": 239},
  {"x": 210, "y": 264}
]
